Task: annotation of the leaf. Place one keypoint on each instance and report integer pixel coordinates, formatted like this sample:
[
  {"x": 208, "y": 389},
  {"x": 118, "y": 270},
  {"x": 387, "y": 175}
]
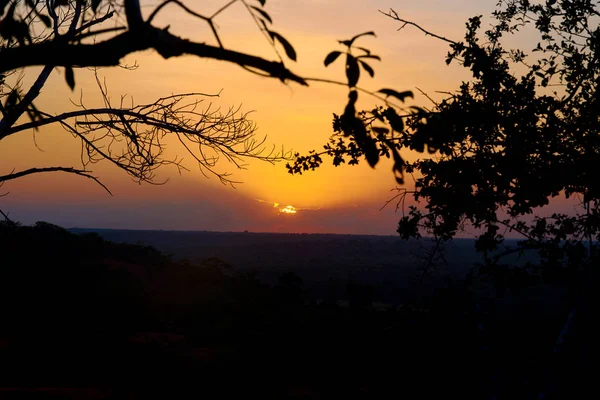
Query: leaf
[
  {"x": 70, "y": 77},
  {"x": 46, "y": 20},
  {"x": 95, "y": 4},
  {"x": 370, "y": 56},
  {"x": 352, "y": 71},
  {"x": 11, "y": 11},
  {"x": 371, "y": 152},
  {"x": 34, "y": 115},
  {"x": 35, "y": 112},
  {"x": 418, "y": 110},
  {"x": 331, "y": 57},
  {"x": 3, "y": 4},
  {"x": 380, "y": 129},
  {"x": 394, "y": 119},
  {"x": 264, "y": 24},
  {"x": 367, "y": 68},
  {"x": 398, "y": 168},
  {"x": 399, "y": 95},
  {"x": 397, "y": 124},
  {"x": 364, "y": 49},
  {"x": 32, "y": 118},
  {"x": 289, "y": 50},
  {"x": 262, "y": 13},
  {"x": 371, "y": 33},
  {"x": 12, "y": 99},
  {"x": 271, "y": 33},
  {"x": 262, "y": 2}
]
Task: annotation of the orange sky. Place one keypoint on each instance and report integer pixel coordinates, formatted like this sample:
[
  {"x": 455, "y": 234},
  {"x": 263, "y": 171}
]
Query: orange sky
[{"x": 338, "y": 200}]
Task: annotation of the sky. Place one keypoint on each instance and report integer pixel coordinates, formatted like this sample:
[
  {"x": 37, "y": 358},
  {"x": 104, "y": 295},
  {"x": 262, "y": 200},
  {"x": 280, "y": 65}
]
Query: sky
[{"x": 330, "y": 200}]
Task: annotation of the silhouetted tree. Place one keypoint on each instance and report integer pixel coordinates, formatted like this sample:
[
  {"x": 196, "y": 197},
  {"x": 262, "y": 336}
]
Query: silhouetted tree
[
  {"x": 73, "y": 34},
  {"x": 522, "y": 131},
  {"x": 67, "y": 34}
]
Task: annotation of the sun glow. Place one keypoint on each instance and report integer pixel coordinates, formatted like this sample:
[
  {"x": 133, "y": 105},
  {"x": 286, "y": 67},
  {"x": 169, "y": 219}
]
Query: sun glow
[{"x": 288, "y": 210}]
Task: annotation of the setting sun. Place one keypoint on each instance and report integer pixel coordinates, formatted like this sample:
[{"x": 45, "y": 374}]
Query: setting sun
[{"x": 288, "y": 210}]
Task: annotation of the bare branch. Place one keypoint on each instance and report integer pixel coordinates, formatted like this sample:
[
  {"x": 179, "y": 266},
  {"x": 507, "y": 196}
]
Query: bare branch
[
  {"x": 96, "y": 22},
  {"x": 130, "y": 138},
  {"x": 71, "y": 170},
  {"x": 6, "y": 217},
  {"x": 15, "y": 113},
  {"x": 84, "y": 35},
  {"x": 220, "y": 10},
  {"x": 180, "y": 4},
  {"x": 394, "y": 15},
  {"x": 373, "y": 94}
]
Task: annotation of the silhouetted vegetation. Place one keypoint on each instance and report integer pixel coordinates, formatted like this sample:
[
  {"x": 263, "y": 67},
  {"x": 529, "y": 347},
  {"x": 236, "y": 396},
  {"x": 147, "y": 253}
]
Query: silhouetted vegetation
[
  {"x": 125, "y": 320},
  {"x": 128, "y": 321},
  {"x": 521, "y": 132},
  {"x": 74, "y": 34}
]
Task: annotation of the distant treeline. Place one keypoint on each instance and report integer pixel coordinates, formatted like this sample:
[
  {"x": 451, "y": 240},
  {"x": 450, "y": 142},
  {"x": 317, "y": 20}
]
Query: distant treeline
[{"x": 125, "y": 320}]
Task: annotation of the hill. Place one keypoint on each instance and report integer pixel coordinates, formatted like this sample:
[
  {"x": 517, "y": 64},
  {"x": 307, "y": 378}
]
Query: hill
[{"x": 84, "y": 317}]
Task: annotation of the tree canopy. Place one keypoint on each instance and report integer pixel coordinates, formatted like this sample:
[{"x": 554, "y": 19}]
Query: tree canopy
[
  {"x": 522, "y": 131},
  {"x": 494, "y": 153}
]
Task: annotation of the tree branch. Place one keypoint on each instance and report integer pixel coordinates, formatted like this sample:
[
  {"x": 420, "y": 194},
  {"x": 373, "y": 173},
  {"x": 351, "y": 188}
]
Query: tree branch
[
  {"x": 180, "y": 4},
  {"x": 133, "y": 12},
  {"x": 14, "y": 114},
  {"x": 111, "y": 51},
  {"x": 340, "y": 83},
  {"x": 96, "y": 21},
  {"x": 130, "y": 138},
  {"x": 394, "y": 15},
  {"x": 6, "y": 217},
  {"x": 70, "y": 170}
]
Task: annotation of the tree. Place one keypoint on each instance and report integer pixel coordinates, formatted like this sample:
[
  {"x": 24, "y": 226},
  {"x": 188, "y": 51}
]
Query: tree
[
  {"x": 72, "y": 34},
  {"x": 523, "y": 131}
]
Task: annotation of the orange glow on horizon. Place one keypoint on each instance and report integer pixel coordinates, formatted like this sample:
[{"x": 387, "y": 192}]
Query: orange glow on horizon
[{"x": 290, "y": 116}]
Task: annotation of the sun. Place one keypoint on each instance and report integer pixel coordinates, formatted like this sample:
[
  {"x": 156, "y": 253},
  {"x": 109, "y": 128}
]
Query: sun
[{"x": 288, "y": 210}]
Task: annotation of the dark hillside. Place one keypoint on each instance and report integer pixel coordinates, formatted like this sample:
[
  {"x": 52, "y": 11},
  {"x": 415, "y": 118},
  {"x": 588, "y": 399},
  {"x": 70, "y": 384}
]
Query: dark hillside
[
  {"x": 325, "y": 262},
  {"x": 110, "y": 320}
]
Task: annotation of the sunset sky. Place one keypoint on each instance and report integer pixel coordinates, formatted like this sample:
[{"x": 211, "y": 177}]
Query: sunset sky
[{"x": 335, "y": 200}]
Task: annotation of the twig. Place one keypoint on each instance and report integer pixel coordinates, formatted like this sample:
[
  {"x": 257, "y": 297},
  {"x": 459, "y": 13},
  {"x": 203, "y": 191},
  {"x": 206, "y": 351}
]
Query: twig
[
  {"x": 373, "y": 94},
  {"x": 70, "y": 170},
  {"x": 6, "y": 217},
  {"x": 220, "y": 10},
  {"x": 95, "y": 22},
  {"x": 394, "y": 15},
  {"x": 180, "y": 4},
  {"x": 426, "y": 95}
]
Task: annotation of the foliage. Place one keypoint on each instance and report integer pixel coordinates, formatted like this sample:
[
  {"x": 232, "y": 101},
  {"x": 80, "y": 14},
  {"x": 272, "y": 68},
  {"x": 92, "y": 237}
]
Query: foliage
[
  {"x": 356, "y": 134},
  {"x": 72, "y": 34},
  {"x": 524, "y": 130}
]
